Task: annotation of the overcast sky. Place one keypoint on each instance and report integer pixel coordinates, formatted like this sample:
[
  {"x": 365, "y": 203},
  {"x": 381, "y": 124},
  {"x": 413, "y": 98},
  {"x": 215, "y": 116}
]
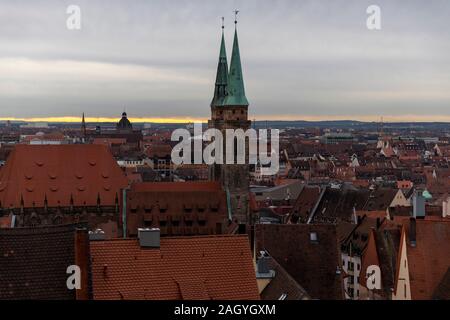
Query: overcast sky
[{"x": 302, "y": 59}]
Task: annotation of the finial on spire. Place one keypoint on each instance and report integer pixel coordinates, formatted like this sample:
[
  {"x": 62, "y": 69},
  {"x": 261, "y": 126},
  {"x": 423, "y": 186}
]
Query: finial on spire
[
  {"x": 223, "y": 23},
  {"x": 235, "y": 16}
]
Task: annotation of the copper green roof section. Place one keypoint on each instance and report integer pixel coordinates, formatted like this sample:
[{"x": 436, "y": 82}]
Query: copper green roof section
[
  {"x": 220, "y": 90},
  {"x": 235, "y": 89}
]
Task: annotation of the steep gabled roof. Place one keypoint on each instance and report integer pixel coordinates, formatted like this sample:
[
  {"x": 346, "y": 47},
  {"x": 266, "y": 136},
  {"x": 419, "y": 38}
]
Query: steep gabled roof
[
  {"x": 442, "y": 291},
  {"x": 33, "y": 262},
  {"x": 429, "y": 259},
  {"x": 282, "y": 284},
  {"x": 315, "y": 265},
  {"x": 380, "y": 199},
  {"x": 382, "y": 250},
  {"x": 59, "y": 173}
]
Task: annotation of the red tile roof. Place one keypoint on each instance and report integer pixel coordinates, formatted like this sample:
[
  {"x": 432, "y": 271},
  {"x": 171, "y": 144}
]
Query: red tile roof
[
  {"x": 306, "y": 201},
  {"x": 313, "y": 264},
  {"x": 159, "y": 150},
  {"x": 109, "y": 141},
  {"x": 5, "y": 222},
  {"x": 149, "y": 203},
  {"x": 211, "y": 267},
  {"x": 429, "y": 260},
  {"x": 442, "y": 292},
  {"x": 59, "y": 172},
  {"x": 193, "y": 186},
  {"x": 33, "y": 261}
]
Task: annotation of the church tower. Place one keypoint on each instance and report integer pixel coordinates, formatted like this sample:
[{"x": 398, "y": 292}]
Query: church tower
[
  {"x": 229, "y": 110},
  {"x": 83, "y": 127}
]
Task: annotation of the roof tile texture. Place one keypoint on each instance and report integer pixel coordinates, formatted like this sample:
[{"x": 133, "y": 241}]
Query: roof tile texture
[
  {"x": 212, "y": 267},
  {"x": 59, "y": 172},
  {"x": 33, "y": 262},
  {"x": 313, "y": 264}
]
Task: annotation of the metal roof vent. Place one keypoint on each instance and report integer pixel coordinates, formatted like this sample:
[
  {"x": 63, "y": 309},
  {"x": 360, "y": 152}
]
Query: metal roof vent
[
  {"x": 263, "y": 270},
  {"x": 149, "y": 238},
  {"x": 96, "y": 235}
]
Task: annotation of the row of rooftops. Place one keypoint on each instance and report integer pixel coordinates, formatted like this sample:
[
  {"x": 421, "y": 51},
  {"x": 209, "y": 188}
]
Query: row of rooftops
[
  {"x": 34, "y": 263},
  {"x": 293, "y": 266}
]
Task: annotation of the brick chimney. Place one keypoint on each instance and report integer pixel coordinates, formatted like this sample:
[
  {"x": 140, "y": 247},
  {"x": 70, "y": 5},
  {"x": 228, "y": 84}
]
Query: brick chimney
[
  {"x": 82, "y": 260},
  {"x": 412, "y": 232}
]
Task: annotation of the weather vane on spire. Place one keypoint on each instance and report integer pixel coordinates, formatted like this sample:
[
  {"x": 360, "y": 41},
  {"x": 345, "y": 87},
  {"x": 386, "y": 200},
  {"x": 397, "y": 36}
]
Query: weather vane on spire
[{"x": 235, "y": 16}]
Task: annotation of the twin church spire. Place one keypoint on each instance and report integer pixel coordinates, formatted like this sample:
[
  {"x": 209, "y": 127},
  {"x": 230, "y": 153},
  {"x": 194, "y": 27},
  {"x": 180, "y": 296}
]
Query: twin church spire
[{"x": 229, "y": 88}]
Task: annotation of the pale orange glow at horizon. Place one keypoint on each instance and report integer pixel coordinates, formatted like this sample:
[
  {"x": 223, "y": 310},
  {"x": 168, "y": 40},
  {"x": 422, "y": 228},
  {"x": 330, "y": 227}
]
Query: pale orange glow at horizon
[{"x": 367, "y": 118}]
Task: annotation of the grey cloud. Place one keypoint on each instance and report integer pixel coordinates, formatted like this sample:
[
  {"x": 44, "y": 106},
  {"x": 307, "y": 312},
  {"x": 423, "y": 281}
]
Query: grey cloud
[{"x": 311, "y": 57}]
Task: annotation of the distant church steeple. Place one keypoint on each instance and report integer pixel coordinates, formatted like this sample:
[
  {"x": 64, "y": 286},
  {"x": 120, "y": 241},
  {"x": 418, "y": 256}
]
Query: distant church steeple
[
  {"x": 83, "y": 126},
  {"x": 220, "y": 89}
]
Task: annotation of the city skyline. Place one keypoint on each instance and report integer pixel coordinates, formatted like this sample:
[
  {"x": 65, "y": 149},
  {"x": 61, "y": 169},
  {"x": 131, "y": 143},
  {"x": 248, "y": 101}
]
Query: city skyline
[{"x": 157, "y": 62}]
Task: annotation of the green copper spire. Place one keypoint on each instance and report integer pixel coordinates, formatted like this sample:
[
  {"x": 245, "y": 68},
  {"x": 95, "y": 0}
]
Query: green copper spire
[
  {"x": 235, "y": 89},
  {"x": 220, "y": 90}
]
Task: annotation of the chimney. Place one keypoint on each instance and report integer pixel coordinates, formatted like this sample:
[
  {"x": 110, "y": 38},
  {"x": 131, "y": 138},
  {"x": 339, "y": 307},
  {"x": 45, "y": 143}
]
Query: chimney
[
  {"x": 446, "y": 208},
  {"x": 149, "y": 238},
  {"x": 82, "y": 260},
  {"x": 261, "y": 264},
  {"x": 412, "y": 231},
  {"x": 418, "y": 205},
  {"x": 262, "y": 267}
]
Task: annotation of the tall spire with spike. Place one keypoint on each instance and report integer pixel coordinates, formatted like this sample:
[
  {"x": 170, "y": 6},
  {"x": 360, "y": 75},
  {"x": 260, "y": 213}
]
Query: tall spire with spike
[
  {"x": 220, "y": 89},
  {"x": 83, "y": 127},
  {"x": 235, "y": 90}
]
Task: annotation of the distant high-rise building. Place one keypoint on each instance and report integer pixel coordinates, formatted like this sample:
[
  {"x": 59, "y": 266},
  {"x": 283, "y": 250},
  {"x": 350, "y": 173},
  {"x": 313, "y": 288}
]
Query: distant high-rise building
[{"x": 229, "y": 110}]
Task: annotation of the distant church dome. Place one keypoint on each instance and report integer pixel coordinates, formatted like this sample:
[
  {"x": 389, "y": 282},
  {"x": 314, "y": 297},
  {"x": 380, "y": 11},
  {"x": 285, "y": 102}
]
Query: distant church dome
[{"x": 124, "y": 123}]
